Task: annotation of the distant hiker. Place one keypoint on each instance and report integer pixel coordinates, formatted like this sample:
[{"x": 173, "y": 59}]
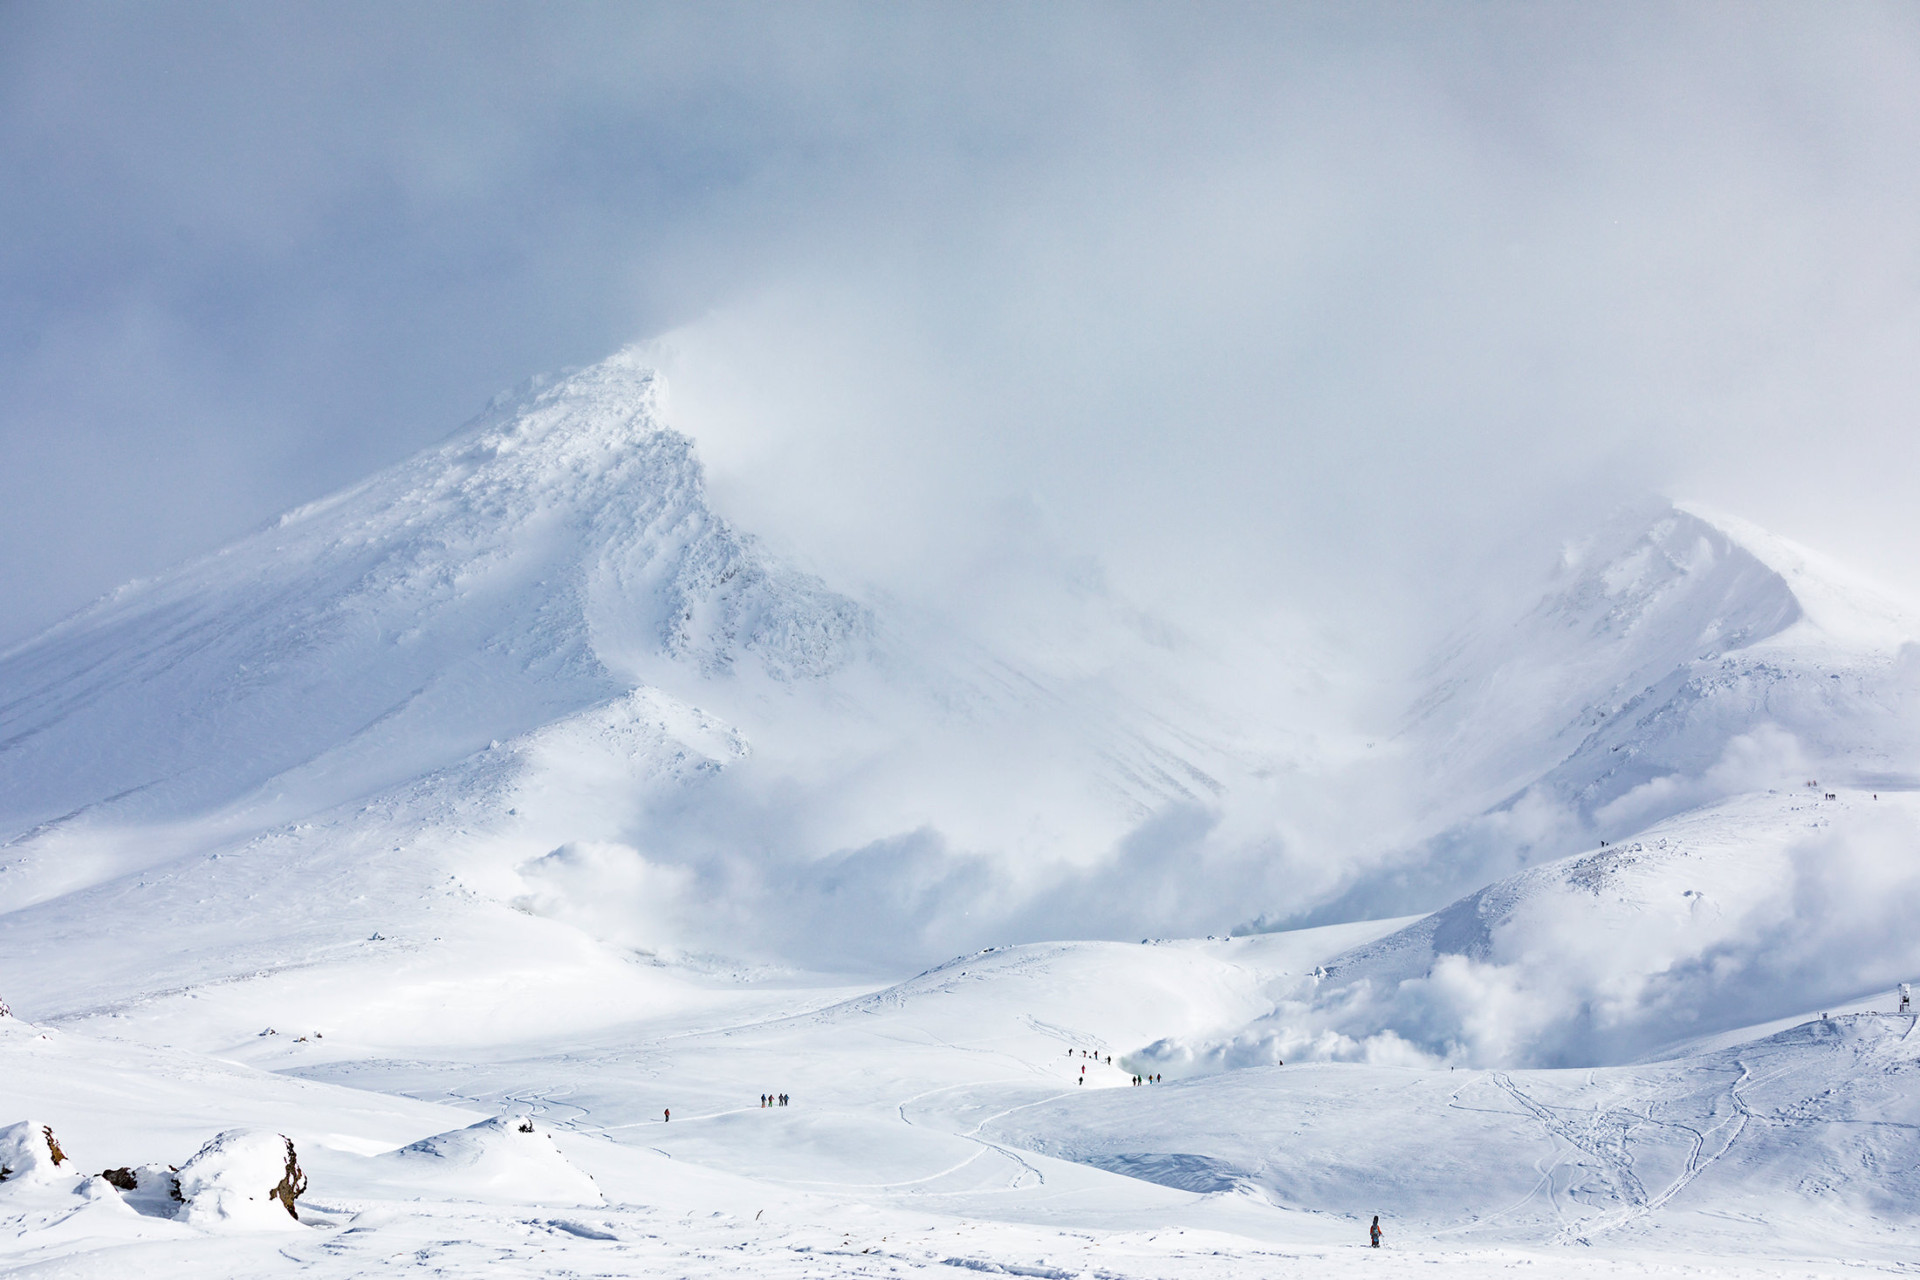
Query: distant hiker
[
  {"x": 667, "y": 1115},
  {"x": 763, "y": 1102},
  {"x": 1375, "y": 1231}
]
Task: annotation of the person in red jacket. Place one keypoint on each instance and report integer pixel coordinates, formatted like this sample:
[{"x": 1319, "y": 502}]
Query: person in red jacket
[{"x": 1375, "y": 1231}]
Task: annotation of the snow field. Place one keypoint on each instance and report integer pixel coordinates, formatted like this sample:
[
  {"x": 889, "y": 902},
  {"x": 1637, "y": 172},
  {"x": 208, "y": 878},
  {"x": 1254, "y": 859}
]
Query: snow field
[{"x": 927, "y": 1136}]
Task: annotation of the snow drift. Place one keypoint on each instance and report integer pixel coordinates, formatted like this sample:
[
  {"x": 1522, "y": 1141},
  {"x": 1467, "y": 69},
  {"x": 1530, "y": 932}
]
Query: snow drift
[{"x": 508, "y": 1158}]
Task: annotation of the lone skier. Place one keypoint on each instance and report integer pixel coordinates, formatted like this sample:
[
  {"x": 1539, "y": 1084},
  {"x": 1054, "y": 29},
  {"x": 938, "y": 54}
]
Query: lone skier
[{"x": 1374, "y": 1231}]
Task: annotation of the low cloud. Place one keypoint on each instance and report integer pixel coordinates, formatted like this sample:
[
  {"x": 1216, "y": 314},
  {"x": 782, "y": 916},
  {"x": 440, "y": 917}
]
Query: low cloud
[
  {"x": 1769, "y": 756},
  {"x": 609, "y": 890},
  {"x": 1765, "y": 926}
]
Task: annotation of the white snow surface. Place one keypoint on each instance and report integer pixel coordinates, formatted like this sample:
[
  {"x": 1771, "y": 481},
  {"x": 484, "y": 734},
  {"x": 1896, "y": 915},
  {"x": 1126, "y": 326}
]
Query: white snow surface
[{"x": 457, "y": 830}]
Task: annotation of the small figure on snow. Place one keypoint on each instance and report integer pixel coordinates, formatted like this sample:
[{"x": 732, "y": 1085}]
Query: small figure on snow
[
  {"x": 1374, "y": 1231},
  {"x": 666, "y": 1115}
]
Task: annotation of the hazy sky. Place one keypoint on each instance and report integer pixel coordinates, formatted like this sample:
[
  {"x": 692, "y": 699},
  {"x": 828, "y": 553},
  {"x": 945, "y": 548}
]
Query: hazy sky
[{"x": 1246, "y": 303}]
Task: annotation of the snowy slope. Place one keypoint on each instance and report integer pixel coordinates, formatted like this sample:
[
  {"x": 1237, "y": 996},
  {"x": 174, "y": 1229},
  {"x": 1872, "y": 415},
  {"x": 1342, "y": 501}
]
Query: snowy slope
[
  {"x": 935, "y": 1126},
  {"x": 1795, "y": 1142}
]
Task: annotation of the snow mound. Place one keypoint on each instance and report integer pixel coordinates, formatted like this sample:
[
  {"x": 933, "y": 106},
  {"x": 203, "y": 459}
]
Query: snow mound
[
  {"x": 507, "y": 1158},
  {"x": 29, "y": 1153},
  {"x": 243, "y": 1179}
]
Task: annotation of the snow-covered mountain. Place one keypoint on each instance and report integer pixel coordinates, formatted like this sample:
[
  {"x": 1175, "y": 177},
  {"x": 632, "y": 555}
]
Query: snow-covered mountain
[
  {"x": 517, "y": 789},
  {"x": 1672, "y": 659},
  {"x": 521, "y": 572},
  {"x": 530, "y": 670}
]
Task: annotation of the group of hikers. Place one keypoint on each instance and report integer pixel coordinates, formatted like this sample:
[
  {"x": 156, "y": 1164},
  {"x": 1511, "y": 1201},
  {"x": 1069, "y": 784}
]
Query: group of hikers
[
  {"x": 1108, "y": 1059},
  {"x": 766, "y": 1100}
]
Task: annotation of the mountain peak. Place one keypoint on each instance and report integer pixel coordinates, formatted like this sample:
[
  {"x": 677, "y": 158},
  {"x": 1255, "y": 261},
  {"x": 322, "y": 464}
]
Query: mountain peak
[
  {"x": 1834, "y": 599},
  {"x": 548, "y": 556},
  {"x": 1673, "y": 658}
]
